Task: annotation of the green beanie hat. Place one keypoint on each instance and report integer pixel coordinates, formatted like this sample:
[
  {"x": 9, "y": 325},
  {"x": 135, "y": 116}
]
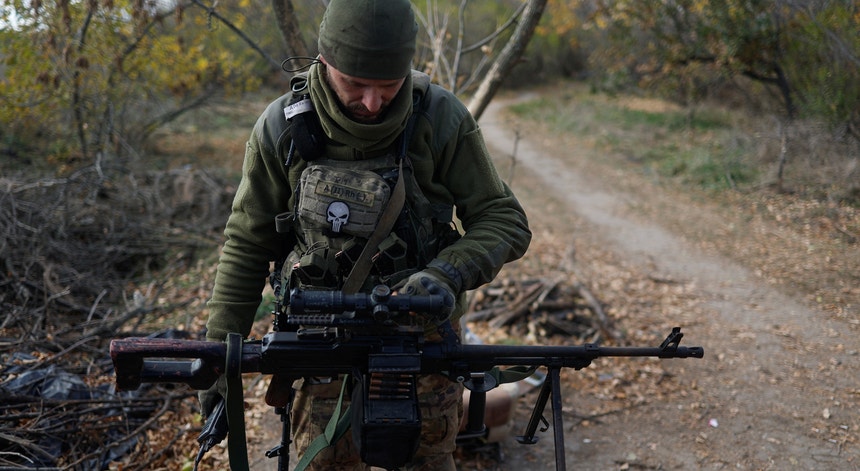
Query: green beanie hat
[{"x": 372, "y": 39}]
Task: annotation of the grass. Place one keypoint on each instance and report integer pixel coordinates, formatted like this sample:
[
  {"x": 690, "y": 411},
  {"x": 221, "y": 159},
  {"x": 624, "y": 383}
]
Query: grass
[
  {"x": 211, "y": 137},
  {"x": 700, "y": 149},
  {"x": 800, "y": 231}
]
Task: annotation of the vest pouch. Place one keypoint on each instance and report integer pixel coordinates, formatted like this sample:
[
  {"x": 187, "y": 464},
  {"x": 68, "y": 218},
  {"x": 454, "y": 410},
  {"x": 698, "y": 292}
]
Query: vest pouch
[
  {"x": 347, "y": 256},
  {"x": 391, "y": 257},
  {"x": 341, "y": 201},
  {"x": 315, "y": 270},
  {"x": 284, "y": 223}
]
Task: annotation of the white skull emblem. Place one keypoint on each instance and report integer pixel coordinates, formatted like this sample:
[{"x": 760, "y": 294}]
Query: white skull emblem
[{"x": 338, "y": 215}]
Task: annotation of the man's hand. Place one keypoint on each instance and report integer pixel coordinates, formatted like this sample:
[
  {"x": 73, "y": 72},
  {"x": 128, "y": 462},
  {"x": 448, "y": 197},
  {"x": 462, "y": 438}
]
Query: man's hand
[
  {"x": 215, "y": 428},
  {"x": 431, "y": 281},
  {"x": 210, "y": 397}
]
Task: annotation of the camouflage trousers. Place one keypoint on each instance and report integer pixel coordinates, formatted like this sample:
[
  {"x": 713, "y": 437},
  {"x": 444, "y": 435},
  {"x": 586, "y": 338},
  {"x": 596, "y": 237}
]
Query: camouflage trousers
[{"x": 441, "y": 404}]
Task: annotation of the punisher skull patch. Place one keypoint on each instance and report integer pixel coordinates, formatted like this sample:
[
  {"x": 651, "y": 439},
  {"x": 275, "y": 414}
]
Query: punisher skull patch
[
  {"x": 338, "y": 215},
  {"x": 341, "y": 201}
]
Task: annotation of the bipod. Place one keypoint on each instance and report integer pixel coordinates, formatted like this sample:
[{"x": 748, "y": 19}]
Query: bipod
[{"x": 551, "y": 389}]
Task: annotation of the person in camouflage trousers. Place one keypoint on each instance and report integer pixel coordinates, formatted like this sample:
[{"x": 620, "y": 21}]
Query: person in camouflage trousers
[{"x": 319, "y": 168}]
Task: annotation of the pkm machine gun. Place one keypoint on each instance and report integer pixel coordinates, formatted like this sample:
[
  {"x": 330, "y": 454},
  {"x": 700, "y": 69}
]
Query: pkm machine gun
[{"x": 363, "y": 335}]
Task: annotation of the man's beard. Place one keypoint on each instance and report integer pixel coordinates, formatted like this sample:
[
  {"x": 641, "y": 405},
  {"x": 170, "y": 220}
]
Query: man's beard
[{"x": 355, "y": 113}]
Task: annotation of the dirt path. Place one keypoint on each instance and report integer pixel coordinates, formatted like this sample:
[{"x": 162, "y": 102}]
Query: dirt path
[{"x": 778, "y": 388}]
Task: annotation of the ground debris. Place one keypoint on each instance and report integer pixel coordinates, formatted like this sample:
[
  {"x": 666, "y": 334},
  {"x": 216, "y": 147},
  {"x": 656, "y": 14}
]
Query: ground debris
[
  {"x": 72, "y": 250},
  {"x": 544, "y": 307}
]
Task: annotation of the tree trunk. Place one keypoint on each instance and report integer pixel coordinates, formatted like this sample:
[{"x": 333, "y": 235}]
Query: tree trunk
[
  {"x": 285, "y": 16},
  {"x": 508, "y": 58}
]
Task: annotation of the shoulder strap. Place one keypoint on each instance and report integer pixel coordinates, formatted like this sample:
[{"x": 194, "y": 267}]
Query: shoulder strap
[
  {"x": 390, "y": 214},
  {"x": 305, "y": 128},
  {"x": 361, "y": 268}
]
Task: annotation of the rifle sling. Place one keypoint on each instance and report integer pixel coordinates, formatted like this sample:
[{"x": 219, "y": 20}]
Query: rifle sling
[
  {"x": 512, "y": 374},
  {"x": 389, "y": 216},
  {"x": 337, "y": 426},
  {"x": 235, "y": 405}
]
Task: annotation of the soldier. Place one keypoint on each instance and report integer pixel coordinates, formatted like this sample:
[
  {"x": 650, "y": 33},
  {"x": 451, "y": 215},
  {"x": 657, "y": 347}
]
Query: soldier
[{"x": 321, "y": 166}]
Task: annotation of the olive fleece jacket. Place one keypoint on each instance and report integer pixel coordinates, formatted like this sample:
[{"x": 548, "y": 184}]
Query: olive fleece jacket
[{"x": 451, "y": 164}]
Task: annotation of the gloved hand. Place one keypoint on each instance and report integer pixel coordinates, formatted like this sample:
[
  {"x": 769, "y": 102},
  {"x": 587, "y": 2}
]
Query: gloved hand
[
  {"x": 210, "y": 397},
  {"x": 431, "y": 281}
]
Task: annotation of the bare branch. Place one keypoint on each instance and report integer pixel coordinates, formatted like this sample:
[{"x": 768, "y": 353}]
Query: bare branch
[
  {"x": 508, "y": 57},
  {"x": 285, "y": 17},
  {"x": 211, "y": 11}
]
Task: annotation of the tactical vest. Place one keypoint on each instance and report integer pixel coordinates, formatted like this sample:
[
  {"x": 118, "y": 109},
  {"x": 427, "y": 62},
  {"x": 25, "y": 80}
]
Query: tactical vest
[{"x": 337, "y": 204}]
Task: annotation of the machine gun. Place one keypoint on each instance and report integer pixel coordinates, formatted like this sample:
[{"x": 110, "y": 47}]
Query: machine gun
[{"x": 329, "y": 334}]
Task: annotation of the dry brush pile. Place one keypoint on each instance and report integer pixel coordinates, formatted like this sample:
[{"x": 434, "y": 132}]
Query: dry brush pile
[{"x": 71, "y": 249}]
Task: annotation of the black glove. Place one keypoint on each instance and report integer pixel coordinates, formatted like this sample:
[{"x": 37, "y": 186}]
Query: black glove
[
  {"x": 213, "y": 407},
  {"x": 210, "y": 397},
  {"x": 431, "y": 281}
]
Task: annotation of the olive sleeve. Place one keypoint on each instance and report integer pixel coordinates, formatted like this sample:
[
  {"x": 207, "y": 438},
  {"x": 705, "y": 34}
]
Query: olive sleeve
[
  {"x": 495, "y": 224},
  {"x": 251, "y": 240}
]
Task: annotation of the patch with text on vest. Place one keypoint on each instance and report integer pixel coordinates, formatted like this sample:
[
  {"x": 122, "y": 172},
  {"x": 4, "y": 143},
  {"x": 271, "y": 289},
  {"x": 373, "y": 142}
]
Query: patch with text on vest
[{"x": 342, "y": 200}]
